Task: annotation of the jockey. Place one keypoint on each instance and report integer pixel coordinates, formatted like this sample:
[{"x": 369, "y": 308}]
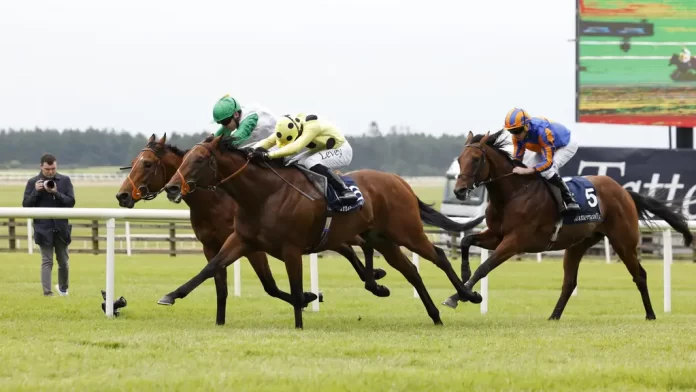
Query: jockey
[
  {"x": 247, "y": 124},
  {"x": 685, "y": 55},
  {"x": 550, "y": 140},
  {"x": 327, "y": 149}
]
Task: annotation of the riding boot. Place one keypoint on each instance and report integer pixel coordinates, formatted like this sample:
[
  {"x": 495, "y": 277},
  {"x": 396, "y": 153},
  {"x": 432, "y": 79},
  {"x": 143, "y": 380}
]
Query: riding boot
[
  {"x": 345, "y": 195},
  {"x": 567, "y": 195}
]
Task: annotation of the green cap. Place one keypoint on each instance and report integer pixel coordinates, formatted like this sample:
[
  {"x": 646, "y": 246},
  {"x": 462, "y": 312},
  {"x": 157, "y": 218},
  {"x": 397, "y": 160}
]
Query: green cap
[{"x": 225, "y": 108}]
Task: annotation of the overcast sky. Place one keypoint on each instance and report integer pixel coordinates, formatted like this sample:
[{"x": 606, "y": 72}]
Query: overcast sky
[{"x": 156, "y": 66}]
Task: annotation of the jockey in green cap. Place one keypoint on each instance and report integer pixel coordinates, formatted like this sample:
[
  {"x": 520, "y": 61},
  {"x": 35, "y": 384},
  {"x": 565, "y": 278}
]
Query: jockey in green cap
[{"x": 248, "y": 124}]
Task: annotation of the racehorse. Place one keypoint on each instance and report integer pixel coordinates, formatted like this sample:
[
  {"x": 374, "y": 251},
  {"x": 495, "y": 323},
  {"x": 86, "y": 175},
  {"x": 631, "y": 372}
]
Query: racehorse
[
  {"x": 212, "y": 220},
  {"x": 524, "y": 215},
  {"x": 277, "y": 215}
]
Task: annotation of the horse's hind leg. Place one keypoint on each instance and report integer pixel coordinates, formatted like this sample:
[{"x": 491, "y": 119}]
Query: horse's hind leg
[
  {"x": 571, "y": 263},
  {"x": 401, "y": 263},
  {"x": 347, "y": 251},
  {"x": 629, "y": 255},
  {"x": 420, "y": 244}
]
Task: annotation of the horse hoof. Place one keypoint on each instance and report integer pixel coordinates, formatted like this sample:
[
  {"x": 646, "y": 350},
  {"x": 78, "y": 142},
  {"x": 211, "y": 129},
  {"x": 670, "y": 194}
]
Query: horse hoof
[
  {"x": 554, "y": 318},
  {"x": 650, "y": 317},
  {"x": 167, "y": 300},
  {"x": 476, "y": 298},
  {"x": 381, "y": 291},
  {"x": 220, "y": 323},
  {"x": 309, "y": 297},
  {"x": 379, "y": 273},
  {"x": 439, "y": 323},
  {"x": 449, "y": 302}
]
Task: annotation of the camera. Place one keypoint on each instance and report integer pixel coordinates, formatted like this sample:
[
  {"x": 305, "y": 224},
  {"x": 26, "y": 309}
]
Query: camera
[{"x": 49, "y": 184}]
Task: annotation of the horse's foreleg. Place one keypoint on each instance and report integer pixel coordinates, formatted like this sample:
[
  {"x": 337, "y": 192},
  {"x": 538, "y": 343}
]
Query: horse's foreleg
[
  {"x": 259, "y": 262},
  {"x": 485, "y": 239},
  {"x": 507, "y": 248},
  {"x": 231, "y": 250},
  {"x": 293, "y": 264},
  {"x": 220, "y": 286}
]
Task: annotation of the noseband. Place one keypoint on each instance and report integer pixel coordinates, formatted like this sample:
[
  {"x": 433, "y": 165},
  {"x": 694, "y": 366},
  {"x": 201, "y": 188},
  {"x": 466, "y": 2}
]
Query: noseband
[{"x": 136, "y": 193}]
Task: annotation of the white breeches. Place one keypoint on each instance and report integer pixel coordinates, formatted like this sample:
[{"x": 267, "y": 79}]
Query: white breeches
[
  {"x": 560, "y": 158},
  {"x": 333, "y": 159}
]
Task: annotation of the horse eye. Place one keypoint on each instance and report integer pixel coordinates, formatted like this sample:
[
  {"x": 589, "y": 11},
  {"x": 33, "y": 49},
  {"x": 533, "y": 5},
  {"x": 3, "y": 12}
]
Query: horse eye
[
  {"x": 147, "y": 164},
  {"x": 199, "y": 160}
]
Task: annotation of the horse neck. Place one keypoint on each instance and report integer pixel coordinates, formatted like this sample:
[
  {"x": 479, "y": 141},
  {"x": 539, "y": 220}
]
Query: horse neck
[
  {"x": 500, "y": 191},
  {"x": 197, "y": 201},
  {"x": 251, "y": 186}
]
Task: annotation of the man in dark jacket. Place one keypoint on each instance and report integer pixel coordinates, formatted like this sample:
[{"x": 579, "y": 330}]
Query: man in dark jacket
[{"x": 50, "y": 189}]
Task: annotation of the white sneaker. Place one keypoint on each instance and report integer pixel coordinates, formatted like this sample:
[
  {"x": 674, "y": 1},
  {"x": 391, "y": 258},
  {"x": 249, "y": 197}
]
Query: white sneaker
[{"x": 61, "y": 293}]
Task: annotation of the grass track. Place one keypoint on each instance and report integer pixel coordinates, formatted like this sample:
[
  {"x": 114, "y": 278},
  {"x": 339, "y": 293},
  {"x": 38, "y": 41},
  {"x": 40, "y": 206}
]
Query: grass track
[{"x": 356, "y": 342}]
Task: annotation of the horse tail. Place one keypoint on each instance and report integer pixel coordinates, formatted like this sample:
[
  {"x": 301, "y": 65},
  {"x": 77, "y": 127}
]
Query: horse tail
[
  {"x": 433, "y": 217},
  {"x": 645, "y": 204}
]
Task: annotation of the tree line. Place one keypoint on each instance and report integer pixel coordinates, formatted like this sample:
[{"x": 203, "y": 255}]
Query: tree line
[{"x": 403, "y": 153}]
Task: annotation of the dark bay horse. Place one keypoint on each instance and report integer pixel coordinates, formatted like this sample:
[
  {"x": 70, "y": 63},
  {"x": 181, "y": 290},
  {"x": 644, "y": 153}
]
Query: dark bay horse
[
  {"x": 274, "y": 215},
  {"x": 212, "y": 220},
  {"x": 522, "y": 216}
]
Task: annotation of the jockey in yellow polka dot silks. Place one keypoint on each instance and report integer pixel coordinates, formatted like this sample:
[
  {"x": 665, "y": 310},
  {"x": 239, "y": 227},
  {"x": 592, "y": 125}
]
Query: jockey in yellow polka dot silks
[
  {"x": 552, "y": 144},
  {"x": 327, "y": 148}
]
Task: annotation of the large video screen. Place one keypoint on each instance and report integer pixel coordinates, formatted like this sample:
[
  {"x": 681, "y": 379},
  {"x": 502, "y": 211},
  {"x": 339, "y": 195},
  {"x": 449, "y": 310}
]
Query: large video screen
[{"x": 636, "y": 62}]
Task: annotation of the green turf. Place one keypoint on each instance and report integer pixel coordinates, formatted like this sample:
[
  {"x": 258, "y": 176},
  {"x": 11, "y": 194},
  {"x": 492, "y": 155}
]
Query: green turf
[{"x": 356, "y": 342}]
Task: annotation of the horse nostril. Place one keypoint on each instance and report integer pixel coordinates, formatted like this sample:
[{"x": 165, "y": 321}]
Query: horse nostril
[
  {"x": 172, "y": 189},
  {"x": 123, "y": 196}
]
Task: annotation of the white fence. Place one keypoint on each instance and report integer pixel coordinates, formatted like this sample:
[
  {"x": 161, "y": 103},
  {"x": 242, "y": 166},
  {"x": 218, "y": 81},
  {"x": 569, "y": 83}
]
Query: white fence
[{"x": 111, "y": 214}]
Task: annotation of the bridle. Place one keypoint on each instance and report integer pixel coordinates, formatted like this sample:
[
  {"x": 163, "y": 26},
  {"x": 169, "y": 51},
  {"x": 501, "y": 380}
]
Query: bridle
[
  {"x": 188, "y": 187},
  {"x": 479, "y": 166},
  {"x": 143, "y": 192}
]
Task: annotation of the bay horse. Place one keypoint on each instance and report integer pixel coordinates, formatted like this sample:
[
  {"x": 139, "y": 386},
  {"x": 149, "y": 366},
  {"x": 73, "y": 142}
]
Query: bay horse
[
  {"x": 212, "y": 220},
  {"x": 276, "y": 215},
  {"x": 522, "y": 217}
]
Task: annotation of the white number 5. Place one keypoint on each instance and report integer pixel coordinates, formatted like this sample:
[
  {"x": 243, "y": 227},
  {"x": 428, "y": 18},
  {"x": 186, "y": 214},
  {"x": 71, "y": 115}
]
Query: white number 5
[{"x": 591, "y": 198}]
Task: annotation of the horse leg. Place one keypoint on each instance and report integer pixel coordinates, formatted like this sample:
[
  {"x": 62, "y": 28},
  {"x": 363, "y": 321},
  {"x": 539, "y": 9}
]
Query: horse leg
[
  {"x": 293, "y": 264},
  {"x": 571, "y": 263},
  {"x": 231, "y": 250},
  {"x": 220, "y": 286},
  {"x": 485, "y": 239},
  {"x": 347, "y": 251},
  {"x": 628, "y": 254},
  {"x": 422, "y": 246},
  {"x": 370, "y": 283},
  {"x": 259, "y": 262},
  {"x": 401, "y": 263},
  {"x": 507, "y": 248}
]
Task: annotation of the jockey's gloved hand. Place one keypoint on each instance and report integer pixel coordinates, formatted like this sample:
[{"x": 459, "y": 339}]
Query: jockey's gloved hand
[{"x": 261, "y": 154}]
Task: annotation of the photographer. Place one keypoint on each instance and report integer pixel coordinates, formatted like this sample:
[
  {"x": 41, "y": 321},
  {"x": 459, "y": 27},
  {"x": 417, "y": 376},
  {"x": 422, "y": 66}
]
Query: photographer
[{"x": 50, "y": 189}]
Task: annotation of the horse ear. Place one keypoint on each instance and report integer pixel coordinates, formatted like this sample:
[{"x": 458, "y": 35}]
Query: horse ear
[
  {"x": 215, "y": 142},
  {"x": 484, "y": 139},
  {"x": 163, "y": 139},
  {"x": 152, "y": 138},
  {"x": 469, "y": 137}
]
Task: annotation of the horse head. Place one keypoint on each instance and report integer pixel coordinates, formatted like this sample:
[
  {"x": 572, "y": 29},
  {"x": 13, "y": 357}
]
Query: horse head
[{"x": 149, "y": 170}]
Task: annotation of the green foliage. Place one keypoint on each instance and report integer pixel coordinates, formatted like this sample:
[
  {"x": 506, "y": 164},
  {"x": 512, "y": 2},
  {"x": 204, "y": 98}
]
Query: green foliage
[{"x": 412, "y": 154}]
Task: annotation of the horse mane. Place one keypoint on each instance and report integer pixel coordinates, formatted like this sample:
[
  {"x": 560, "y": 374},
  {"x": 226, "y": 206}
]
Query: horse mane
[
  {"x": 229, "y": 144},
  {"x": 498, "y": 141},
  {"x": 158, "y": 148}
]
